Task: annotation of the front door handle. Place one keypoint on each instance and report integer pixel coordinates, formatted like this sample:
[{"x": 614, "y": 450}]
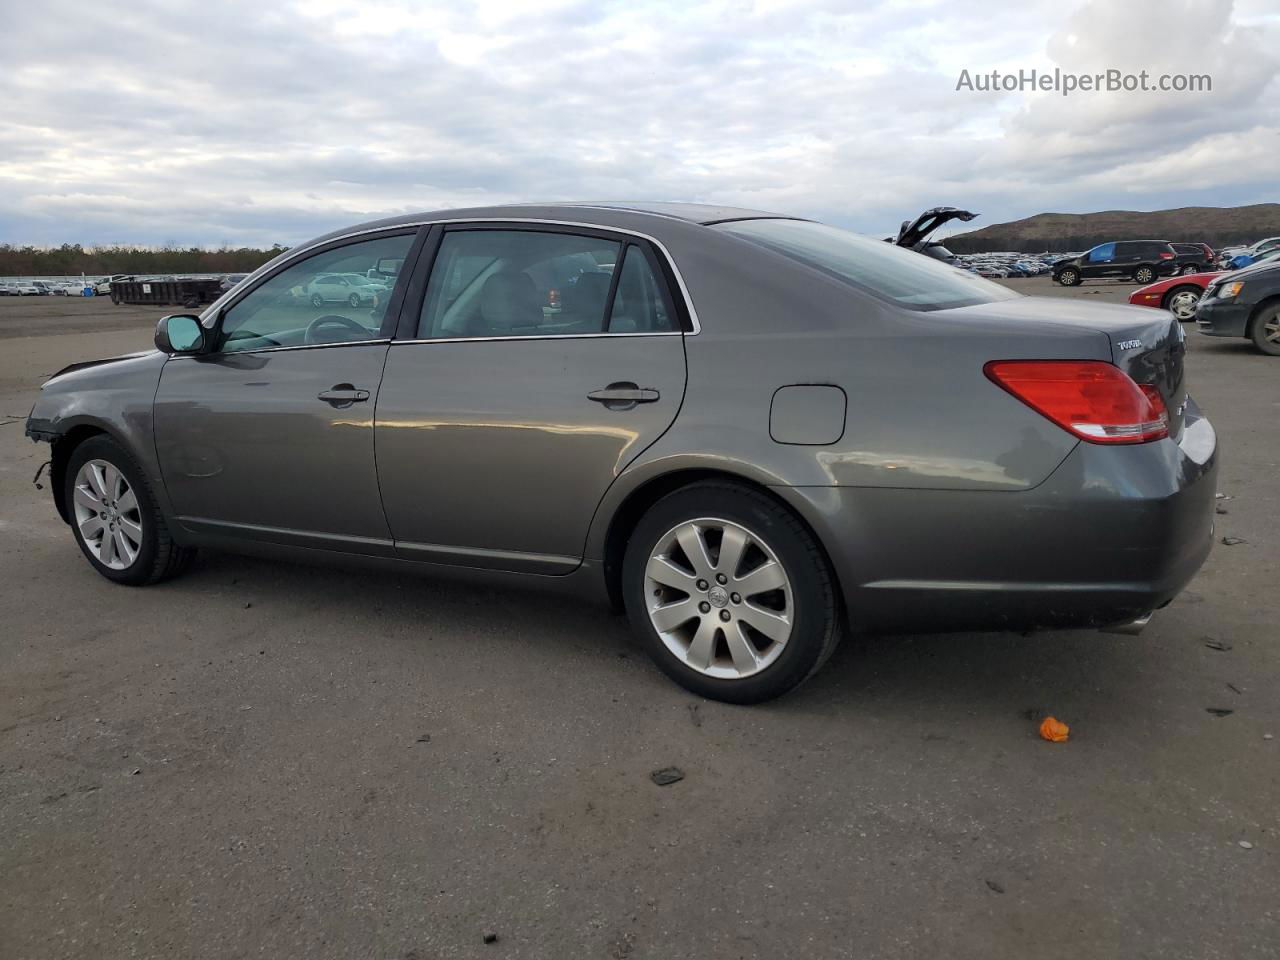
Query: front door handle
[
  {"x": 623, "y": 395},
  {"x": 343, "y": 395}
]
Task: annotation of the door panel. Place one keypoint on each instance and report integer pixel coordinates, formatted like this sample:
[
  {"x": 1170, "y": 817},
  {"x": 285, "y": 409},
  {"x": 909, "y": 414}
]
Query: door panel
[
  {"x": 492, "y": 453},
  {"x": 247, "y": 447}
]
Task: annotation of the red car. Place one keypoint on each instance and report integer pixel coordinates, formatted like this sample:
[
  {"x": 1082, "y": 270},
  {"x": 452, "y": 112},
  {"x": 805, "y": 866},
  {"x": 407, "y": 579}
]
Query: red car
[{"x": 1179, "y": 295}]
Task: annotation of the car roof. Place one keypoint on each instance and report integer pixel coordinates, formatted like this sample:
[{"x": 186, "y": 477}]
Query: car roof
[{"x": 619, "y": 213}]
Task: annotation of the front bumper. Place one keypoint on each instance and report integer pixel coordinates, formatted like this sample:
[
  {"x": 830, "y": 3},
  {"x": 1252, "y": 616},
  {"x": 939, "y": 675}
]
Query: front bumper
[
  {"x": 1112, "y": 534},
  {"x": 1222, "y": 318}
]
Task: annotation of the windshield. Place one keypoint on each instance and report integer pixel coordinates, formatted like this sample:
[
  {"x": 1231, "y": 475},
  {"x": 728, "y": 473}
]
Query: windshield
[{"x": 884, "y": 270}]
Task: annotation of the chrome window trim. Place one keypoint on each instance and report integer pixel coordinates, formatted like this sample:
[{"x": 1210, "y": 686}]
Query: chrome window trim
[
  {"x": 299, "y": 252},
  {"x": 540, "y": 336},
  {"x": 298, "y": 346}
]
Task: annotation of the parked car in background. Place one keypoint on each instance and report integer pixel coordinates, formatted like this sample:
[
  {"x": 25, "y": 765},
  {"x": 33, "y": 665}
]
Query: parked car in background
[
  {"x": 26, "y": 288},
  {"x": 1244, "y": 303},
  {"x": 351, "y": 288},
  {"x": 43, "y": 287},
  {"x": 6, "y": 289},
  {"x": 1140, "y": 261},
  {"x": 1179, "y": 295},
  {"x": 676, "y": 436},
  {"x": 1194, "y": 257},
  {"x": 230, "y": 280}
]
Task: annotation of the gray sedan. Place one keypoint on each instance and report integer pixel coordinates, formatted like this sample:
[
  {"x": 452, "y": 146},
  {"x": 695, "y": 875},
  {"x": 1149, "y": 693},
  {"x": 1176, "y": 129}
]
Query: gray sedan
[{"x": 750, "y": 432}]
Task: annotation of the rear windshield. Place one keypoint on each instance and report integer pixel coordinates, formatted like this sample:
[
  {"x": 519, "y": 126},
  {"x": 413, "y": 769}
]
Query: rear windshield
[{"x": 884, "y": 270}]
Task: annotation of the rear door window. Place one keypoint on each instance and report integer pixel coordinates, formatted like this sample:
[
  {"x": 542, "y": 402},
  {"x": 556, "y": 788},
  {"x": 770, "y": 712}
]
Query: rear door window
[
  {"x": 518, "y": 283},
  {"x": 639, "y": 304}
]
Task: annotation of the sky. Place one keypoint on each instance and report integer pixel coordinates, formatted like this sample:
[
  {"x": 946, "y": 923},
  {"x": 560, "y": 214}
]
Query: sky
[{"x": 252, "y": 123}]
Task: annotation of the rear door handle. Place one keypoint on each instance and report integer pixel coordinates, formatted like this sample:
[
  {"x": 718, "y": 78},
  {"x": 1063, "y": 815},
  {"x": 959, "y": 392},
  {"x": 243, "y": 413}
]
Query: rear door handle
[
  {"x": 343, "y": 395},
  {"x": 623, "y": 395}
]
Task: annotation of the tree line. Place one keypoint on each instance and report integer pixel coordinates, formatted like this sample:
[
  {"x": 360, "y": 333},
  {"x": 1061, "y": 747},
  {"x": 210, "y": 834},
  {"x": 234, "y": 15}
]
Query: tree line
[{"x": 71, "y": 259}]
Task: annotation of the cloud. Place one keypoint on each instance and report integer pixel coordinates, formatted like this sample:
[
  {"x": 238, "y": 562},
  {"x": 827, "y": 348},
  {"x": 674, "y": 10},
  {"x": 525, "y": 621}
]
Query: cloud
[{"x": 257, "y": 123}]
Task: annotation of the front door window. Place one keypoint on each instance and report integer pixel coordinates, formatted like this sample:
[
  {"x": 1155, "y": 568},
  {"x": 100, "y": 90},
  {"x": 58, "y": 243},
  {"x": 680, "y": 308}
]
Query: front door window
[{"x": 337, "y": 296}]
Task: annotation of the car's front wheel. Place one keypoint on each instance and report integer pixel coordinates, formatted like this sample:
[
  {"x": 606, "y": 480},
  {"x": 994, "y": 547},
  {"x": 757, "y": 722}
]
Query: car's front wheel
[
  {"x": 1189, "y": 269},
  {"x": 317, "y": 300},
  {"x": 1068, "y": 277},
  {"x": 354, "y": 300},
  {"x": 115, "y": 519},
  {"x": 730, "y": 593},
  {"x": 1265, "y": 332},
  {"x": 1182, "y": 303},
  {"x": 1144, "y": 275}
]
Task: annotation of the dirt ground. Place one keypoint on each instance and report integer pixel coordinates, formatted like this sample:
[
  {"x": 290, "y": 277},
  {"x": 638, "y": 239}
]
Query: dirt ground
[{"x": 263, "y": 760}]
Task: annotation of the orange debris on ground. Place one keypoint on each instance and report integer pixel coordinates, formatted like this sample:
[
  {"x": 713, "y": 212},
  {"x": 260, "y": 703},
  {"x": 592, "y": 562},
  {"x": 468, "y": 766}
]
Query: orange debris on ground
[{"x": 1053, "y": 729}]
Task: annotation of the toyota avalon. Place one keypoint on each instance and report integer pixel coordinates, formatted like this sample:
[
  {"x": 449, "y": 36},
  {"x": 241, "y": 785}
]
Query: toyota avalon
[{"x": 749, "y": 432}]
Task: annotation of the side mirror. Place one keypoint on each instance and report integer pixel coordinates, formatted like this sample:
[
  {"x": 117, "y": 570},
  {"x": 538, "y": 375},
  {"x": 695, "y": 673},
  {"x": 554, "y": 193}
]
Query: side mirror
[
  {"x": 180, "y": 333},
  {"x": 388, "y": 266}
]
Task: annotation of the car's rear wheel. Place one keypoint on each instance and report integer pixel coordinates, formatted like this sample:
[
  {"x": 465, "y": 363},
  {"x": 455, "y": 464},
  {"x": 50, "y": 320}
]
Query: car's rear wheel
[
  {"x": 115, "y": 519},
  {"x": 1181, "y": 302},
  {"x": 730, "y": 593},
  {"x": 1265, "y": 332},
  {"x": 1068, "y": 277},
  {"x": 354, "y": 300},
  {"x": 1144, "y": 275},
  {"x": 1189, "y": 269}
]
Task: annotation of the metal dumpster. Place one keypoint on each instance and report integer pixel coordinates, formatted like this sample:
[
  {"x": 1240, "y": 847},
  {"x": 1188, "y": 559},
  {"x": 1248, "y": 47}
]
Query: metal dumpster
[{"x": 175, "y": 291}]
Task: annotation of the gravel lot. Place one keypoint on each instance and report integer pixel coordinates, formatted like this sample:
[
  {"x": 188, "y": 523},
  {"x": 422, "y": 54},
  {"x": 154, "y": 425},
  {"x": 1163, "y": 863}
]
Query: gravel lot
[{"x": 267, "y": 760}]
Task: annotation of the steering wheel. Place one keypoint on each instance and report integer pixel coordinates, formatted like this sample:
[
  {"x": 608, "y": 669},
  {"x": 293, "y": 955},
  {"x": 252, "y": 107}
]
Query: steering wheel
[{"x": 334, "y": 320}]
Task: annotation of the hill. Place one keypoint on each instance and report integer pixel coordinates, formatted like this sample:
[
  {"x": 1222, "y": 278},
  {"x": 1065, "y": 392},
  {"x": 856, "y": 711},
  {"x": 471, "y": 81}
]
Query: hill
[{"x": 1216, "y": 226}]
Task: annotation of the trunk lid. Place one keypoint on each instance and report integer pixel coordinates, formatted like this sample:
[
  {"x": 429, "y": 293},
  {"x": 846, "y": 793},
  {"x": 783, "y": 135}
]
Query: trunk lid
[
  {"x": 912, "y": 232},
  {"x": 1149, "y": 345}
]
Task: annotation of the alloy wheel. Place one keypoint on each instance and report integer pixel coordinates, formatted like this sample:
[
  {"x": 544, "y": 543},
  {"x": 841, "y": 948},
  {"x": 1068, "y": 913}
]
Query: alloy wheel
[
  {"x": 719, "y": 598},
  {"x": 107, "y": 515},
  {"x": 1183, "y": 304},
  {"x": 1271, "y": 329}
]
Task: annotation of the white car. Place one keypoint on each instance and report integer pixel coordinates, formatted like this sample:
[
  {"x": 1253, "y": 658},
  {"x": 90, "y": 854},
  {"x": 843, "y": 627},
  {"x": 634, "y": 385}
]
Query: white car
[
  {"x": 351, "y": 288},
  {"x": 26, "y": 288}
]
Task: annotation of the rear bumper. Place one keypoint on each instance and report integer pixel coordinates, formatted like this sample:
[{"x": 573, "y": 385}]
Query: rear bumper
[
  {"x": 1114, "y": 533},
  {"x": 1222, "y": 318}
]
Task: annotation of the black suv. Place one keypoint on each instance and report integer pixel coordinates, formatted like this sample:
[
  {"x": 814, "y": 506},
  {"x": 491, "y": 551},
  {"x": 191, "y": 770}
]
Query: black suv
[
  {"x": 1244, "y": 303},
  {"x": 1138, "y": 260},
  {"x": 1195, "y": 257}
]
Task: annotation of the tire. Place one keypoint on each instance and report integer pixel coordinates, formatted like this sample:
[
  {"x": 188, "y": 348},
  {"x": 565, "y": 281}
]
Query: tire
[
  {"x": 1144, "y": 275},
  {"x": 157, "y": 557},
  {"x": 1181, "y": 302},
  {"x": 1189, "y": 269},
  {"x": 737, "y": 665},
  {"x": 317, "y": 300},
  {"x": 1068, "y": 277},
  {"x": 354, "y": 300},
  {"x": 1265, "y": 330}
]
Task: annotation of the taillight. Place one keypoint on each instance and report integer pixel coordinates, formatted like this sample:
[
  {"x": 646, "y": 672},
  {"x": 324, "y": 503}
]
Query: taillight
[
  {"x": 1094, "y": 400},
  {"x": 553, "y": 297},
  {"x": 1167, "y": 256}
]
